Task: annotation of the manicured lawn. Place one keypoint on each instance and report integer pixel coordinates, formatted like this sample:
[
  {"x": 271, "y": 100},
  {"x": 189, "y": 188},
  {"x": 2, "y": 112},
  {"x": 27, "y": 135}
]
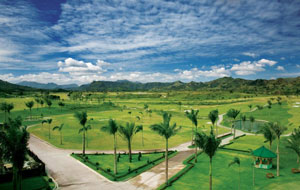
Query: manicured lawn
[
  {"x": 33, "y": 183},
  {"x": 106, "y": 162},
  {"x": 225, "y": 177}
]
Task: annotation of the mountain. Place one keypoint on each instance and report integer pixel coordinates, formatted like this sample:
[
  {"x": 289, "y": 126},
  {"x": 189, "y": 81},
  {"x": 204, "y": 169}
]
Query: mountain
[
  {"x": 49, "y": 86},
  {"x": 7, "y": 87},
  {"x": 258, "y": 86}
]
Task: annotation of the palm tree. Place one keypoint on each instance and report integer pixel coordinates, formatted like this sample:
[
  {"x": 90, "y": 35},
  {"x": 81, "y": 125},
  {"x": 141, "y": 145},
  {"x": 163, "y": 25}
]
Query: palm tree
[
  {"x": 252, "y": 120},
  {"x": 30, "y": 104},
  {"x": 42, "y": 102},
  {"x": 233, "y": 113},
  {"x": 112, "y": 129},
  {"x": 142, "y": 129},
  {"x": 88, "y": 127},
  {"x": 59, "y": 128},
  {"x": 213, "y": 116},
  {"x": 268, "y": 133},
  {"x": 192, "y": 115},
  {"x": 49, "y": 121},
  {"x": 82, "y": 118},
  {"x": 61, "y": 105},
  {"x": 253, "y": 170},
  {"x": 237, "y": 161},
  {"x": 294, "y": 143},
  {"x": 127, "y": 133},
  {"x": 244, "y": 119},
  {"x": 167, "y": 131},
  {"x": 37, "y": 100},
  {"x": 278, "y": 131},
  {"x": 6, "y": 107},
  {"x": 14, "y": 141},
  {"x": 209, "y": 144}
]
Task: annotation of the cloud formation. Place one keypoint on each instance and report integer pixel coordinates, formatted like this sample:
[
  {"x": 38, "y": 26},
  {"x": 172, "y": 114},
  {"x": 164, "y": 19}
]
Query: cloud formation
[{"x": 250, "y": 68}]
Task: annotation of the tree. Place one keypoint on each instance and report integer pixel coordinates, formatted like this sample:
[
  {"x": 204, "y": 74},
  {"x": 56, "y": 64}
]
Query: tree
[
  {"x": 42, "y": 102},
  {"x": 252, "y": 120},
  {"x": 48, "y": 102},
  {"x": 127, "y": 133},
  {"x": 61, "y": 105},
  {"x": 244, "y": 119},
  {"x": 192, "y": 115},
  {"x": 167, "y": 131},
  {"x": 233, "y": 113},
  {"x": 209, "y": 144},
  {"x": 278, "y": 130},
  {"x": 180, "y": 104},
  {"x": 250, "y": 106},
  {"x": 112, "y": 129},
  {"x": 268, "y": 133},
  {"x": 49, "y": 121},
  {"x": 213, "y": 116},
  {"x": 82, "y": 118},
  {"x": 14, "y": 142},
  {"x": 253, "y": 171},
  {"x": 30, "y": 104},
  {"x": 37, "y": 100},
  {"x": 294, "y": 143},
  {"x": 59, "y": 128},
  {"x": 237, "y": 161},
  {"x": 6, "y": 108}
]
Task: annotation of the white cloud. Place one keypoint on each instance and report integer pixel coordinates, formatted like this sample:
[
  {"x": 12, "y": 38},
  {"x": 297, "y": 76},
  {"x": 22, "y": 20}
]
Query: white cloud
[
  {"x": 196, "y": 74},
  {"x": 249, "y": 54},
  {"x": 75, "y": 67},
  {"x": 250, "y": 68},
  {"x": 280, "y": 68}
]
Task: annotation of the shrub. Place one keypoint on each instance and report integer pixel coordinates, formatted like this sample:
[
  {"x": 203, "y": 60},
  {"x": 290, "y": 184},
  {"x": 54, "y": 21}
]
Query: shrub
[
  {"x": 108, "y": 170},
  {"x": 97, "y": 163},
  {"x": 129, "y": 169},
  {"x": 148, "y": 161},
  {"x": 50, "y": 180}
]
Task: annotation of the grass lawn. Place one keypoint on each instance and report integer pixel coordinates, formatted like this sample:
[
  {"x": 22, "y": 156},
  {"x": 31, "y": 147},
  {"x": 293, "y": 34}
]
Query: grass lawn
[
  {"x": 33, "y": 183},
  {"x": 107, "y": 162},
  {"x": 225, "y": 177}
]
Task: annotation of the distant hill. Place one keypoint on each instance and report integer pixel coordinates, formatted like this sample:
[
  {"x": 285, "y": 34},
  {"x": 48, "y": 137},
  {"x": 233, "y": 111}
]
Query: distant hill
[
  {"x": 7, "y": 87},
  {"x": 49, "y": 86},
  {"x": 259, "y": 86}
]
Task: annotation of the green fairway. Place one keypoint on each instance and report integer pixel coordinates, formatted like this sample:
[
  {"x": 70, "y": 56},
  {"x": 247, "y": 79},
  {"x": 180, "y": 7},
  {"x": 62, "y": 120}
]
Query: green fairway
[
  {"x": 225, "y": 177},
  {"x": 106, "y": 162}
]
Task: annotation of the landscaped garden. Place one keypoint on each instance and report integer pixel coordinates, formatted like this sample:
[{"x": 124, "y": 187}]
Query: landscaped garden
[{"x": 104, "y": 163}]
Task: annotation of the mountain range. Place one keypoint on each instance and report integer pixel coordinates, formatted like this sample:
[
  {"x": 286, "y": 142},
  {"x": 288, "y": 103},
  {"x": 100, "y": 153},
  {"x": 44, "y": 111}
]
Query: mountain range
[{"x": 258, "y": 86}]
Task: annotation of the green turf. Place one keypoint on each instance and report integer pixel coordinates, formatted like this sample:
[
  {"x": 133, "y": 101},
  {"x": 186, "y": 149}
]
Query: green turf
[
  {"x": 33, "y": 183},
  {"x": 225, "y": 177},
  {"x": 107, "y": 162}
]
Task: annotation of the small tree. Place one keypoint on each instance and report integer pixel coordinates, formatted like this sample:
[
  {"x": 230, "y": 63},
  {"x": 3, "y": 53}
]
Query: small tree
[
  {"x": 14, "y": 142},
  {"x": 214, "y": 116},
  {"x": 294, "y": 143},
  {"x": 252, "y": 120},
  {"x": 268, "y": 133},
  {"x": 61, "y": 105},
  {"x": 59, "y": 128},
  {"x": 244, "y": 119},
  {"x": 112, "y": 129},
  {"x": 192, "y": 115},
  {"x": 237, "y": 161},
  {"x": 6, "y": 108},
  {"x": 209, "y": 144},
  {"x": 127, "y": 133},
  {"x": 278, "y": 130},
  {"x": 82, "y": 118},
  {"x": 48, "y": 102},
  {"x": 49, "y": 121},
  {"x": 250, "y": 106},
  {"x": 30, "y": 104},
  {"x": 167, "y": 131},
  {"x": 233, "y": 113}
]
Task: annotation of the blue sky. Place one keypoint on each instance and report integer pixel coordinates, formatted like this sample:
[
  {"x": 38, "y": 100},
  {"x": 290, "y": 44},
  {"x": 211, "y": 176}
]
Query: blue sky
[{"x": 71, "y": 41}]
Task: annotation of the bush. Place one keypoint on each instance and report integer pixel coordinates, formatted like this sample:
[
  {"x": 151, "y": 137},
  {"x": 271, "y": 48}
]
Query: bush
[
  {"x": 50, "y": 180},
  {"x": 97, "y": 163},
  {"x": 140, "y": 156},
  {"x": 108, "y": 170},
  {"x": 148, "y": 161},
  {"x": 129, "y": 169}
]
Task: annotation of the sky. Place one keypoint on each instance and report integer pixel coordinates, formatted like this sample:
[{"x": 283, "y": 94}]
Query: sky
[{"x": 71, "y": 41}]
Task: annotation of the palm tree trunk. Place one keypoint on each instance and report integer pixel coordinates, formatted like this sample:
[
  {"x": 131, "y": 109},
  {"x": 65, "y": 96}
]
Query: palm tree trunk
[
  {"x": 60, "y": 138},
  {"x": 270, "y": 145},
  {"x": 167, "y": 166},
  {"x": 30, "y": 114},
  {"x": 210, "y": 173},
  {"x": 143, "y": 137},
  {"x": 196, "y": 149},
  {"x": 129, "y": 149},
  {"x": 49, "y": 131},
  {"x": 115, "y": 155},
  {"x": 1, "y": 165},
  {"x": 278, "y": 157},
  {"x": 87, "y": 139},
  {"x": 15, "y": 178},
  {"x": 83, "y": 143},
  {"x": 253, "y": 179},
  {"x": 217, "y": 131},
  {"x": 239, "y": 179}
]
